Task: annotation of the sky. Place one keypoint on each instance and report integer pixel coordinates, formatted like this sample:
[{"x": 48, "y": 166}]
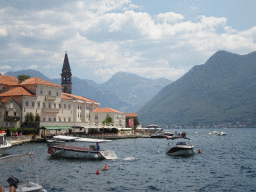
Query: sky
[{"x": 153, "y": 39}]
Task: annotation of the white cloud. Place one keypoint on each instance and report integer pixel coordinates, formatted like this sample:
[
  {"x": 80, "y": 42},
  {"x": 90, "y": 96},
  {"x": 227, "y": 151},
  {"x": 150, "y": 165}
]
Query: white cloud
[
  {"x": 212, "y": 22},
  {"x": 32, "y": 67},
  {"x": 5, "y": 67},
  {"x": 170, "y": 17},
  {"x": 3, "y": 31},
  {"x": 112, "y": 35}
]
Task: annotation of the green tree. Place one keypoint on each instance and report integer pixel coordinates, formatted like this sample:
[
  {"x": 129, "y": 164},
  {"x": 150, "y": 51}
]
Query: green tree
[
  {"x": 37, "y": 117},
  {"x": 27, "y": 117},
  {"x": 31, "y": 117},
  {"x": 23, "y": 76},
  {"x": 108, "y": 121}
]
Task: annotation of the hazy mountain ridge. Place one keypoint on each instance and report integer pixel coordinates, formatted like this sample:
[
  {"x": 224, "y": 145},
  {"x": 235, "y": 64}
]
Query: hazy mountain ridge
[
  {"x": 123, "y": 91},
  {"x": 221, "y": 90}
]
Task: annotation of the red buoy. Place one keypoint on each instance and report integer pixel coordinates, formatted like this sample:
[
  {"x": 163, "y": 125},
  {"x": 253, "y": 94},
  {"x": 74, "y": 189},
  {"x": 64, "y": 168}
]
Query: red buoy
[
  {"x": 49, "y": 151},
  {"x": 105, "y": 167},
  {"x": 167, "y": 138},
  {"x": 98, "y": 172},
  {"x": 199, "y": 151}
]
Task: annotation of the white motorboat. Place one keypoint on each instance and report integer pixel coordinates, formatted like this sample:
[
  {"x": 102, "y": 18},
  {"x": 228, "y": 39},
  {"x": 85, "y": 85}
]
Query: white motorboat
[
  {"x": 59, "y": 148},
  {"x": 26, "y": 186},
  {"x": 4, "y": 144},
  {"x": 162, "y": 135},
  {"x": 222, "y": 134},
  {"x": 213, "y": 133},
  {"x": 181, "y": 148}
]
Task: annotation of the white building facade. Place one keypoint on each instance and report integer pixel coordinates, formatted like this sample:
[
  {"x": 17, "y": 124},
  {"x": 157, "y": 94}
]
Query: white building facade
[{"x": 100, "y": 114}]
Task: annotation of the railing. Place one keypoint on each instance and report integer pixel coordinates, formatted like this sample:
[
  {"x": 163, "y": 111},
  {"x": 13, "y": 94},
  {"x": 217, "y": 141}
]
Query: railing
[
  {"x": 11, "y": 118},
  {"x": 50, "y": 110}
]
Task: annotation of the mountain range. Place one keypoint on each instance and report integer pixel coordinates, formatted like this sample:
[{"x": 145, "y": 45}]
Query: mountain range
[
  {"x": 222, "y": 90},
  {"x": 125, "y": 92}
]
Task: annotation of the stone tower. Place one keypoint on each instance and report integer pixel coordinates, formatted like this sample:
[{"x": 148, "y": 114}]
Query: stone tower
[{"x": 66, "y": 76}]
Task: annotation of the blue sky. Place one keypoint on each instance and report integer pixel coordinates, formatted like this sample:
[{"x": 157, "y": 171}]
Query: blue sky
[{"x": 153, "y": 39}]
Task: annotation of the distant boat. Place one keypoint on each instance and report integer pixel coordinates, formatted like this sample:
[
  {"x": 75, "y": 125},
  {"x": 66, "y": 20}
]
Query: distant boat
[
  {"x": 162, "y": 135},
  {"x": 214, "y": 132},
  {"x": 4, "y": 144},
  {"x": 153, "y": 126},
  {"x": 58, "y": 148},
  {"x": 221, "y": 134}
]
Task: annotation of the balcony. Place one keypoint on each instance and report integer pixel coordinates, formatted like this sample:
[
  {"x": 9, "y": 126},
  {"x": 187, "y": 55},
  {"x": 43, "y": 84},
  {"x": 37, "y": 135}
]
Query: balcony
[
  {"x": 11, "y": 118},
  {"x": 50, "y": 98},
  {"x": 50, "y": 110}
]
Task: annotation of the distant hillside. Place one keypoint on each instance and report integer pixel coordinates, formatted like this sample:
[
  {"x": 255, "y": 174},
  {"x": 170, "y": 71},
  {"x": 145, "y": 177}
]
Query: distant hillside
[
  {"x": 124, "y": 91},
  {"x": 134, "y": 91},
  {"x": 220, "y": 91},
  {"x": 30, "y": 72}
]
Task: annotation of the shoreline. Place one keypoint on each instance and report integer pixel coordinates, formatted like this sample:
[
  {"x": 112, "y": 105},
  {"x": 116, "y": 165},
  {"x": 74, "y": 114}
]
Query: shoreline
[{"x": 15, "y": 141}]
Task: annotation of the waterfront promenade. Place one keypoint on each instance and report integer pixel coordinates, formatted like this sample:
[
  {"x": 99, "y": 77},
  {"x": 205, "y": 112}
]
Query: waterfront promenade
[{"x": 18, "y": 140}]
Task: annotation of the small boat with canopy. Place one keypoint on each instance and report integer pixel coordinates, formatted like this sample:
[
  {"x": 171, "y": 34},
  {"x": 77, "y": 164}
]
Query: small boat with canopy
[{"x": 68, "y": 147}]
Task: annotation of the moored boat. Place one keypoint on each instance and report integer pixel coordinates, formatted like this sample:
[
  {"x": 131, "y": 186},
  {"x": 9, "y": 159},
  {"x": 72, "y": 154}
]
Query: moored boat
[
  {"x": 162, "y": 135},
  {"x": 221, "y": 134},
  {"x": 181, "y": 148},
  {"x": 4, "y": 143},
  {"x": 59, "y": 148}
]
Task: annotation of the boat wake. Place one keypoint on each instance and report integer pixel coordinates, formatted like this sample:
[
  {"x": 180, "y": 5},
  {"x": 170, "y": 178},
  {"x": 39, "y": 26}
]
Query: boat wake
[{"x": 129, "y": 158}]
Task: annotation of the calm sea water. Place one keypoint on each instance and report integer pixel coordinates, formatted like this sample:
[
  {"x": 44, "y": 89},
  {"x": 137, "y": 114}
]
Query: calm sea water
[{"x": 227, "y": 163}]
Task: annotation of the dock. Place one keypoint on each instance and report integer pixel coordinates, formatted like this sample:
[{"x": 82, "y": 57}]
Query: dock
[{"x": 19, "y": 140}]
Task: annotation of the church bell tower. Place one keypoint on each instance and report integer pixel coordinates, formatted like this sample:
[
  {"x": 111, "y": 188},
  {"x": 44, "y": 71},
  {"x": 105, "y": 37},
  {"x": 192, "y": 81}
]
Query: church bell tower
[{"x": 66, "y": 76}]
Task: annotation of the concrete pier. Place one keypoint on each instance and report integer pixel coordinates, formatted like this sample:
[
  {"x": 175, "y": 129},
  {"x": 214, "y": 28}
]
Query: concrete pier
[{"x": 18, "y": 140}]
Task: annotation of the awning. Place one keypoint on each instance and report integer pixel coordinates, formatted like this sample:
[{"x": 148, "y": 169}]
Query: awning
[
  {"x": 56, "y": 127},
  {"x": 124, "y": 128}
]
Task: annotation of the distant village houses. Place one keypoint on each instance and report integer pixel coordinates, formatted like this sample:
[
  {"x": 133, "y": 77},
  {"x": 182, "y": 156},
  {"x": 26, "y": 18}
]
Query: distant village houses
[{"x": 55, "y": 105}]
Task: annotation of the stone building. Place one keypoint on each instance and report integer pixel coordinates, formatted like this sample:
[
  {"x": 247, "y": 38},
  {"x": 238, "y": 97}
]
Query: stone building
[{"x": 54, "y": 103}]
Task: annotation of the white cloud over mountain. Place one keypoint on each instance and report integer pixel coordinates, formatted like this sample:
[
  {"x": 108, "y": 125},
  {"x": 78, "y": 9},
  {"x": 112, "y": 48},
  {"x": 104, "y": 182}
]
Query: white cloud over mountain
[{"x": 110, "y": 36}]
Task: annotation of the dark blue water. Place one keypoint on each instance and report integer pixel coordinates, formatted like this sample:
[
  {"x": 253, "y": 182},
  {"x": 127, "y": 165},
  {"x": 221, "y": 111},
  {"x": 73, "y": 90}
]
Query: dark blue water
[{"x": 227, "y": 163}]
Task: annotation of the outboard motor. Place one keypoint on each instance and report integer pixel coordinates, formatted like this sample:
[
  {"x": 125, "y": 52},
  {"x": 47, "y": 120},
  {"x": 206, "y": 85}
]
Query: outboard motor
[{"x": 13, "y": 181}]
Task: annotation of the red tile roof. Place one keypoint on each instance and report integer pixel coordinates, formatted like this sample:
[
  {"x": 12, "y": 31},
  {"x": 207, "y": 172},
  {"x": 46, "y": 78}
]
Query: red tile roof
[
  {"x": 105, "y": 110},
  {"x": 78, "y": 97},
  {"x": 66, "y": 97},
  {"x": 8, "y": 80},
  {"x": 38, "y": 81},
  {"x": 4, "y": 99},
  {"x": 17, "y": 91},
  {"x": 131, "y": 114}
]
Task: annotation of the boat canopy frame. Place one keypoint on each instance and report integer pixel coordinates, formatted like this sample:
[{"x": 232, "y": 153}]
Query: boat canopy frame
[{"x": 80, "y": 139}]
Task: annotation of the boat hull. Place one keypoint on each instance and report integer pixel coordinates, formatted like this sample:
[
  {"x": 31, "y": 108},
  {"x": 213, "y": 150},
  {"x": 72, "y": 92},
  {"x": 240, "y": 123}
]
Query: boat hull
[
  {"x": 180, "y": 151},
  {"x": 81, "y": 154},
  {"x": 158, "y": 136},
  {"x": 30, "y": 187},
  {"x": 3, "y": 148}
]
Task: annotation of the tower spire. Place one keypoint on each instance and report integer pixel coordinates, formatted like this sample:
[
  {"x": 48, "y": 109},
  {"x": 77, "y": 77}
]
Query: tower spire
[{"x": 66, "y": 75}]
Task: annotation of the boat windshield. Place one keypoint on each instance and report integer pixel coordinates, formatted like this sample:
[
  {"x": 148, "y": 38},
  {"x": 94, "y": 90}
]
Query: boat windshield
[{"x": 181, "y": 143}]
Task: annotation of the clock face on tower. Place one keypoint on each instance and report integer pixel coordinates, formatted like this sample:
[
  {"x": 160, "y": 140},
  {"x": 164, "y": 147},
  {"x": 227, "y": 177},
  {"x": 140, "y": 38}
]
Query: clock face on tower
[{"x": 66, "y": 76}]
